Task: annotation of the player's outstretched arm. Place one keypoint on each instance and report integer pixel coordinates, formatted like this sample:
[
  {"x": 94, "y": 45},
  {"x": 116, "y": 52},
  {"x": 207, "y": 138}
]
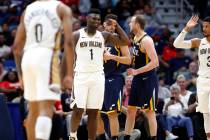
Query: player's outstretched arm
[{"x": 186, "y": 44}]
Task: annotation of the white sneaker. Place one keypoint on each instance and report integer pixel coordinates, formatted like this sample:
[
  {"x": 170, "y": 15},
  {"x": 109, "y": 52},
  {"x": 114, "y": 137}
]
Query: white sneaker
[{"x": 171, "y": 137}]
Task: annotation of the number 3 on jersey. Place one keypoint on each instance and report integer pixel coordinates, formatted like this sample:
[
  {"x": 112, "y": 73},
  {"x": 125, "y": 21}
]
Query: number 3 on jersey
[
  {"x": 91, "y": 54},
  {"x": 208, "y": 61},
  {"x": 38, "y": 32}
]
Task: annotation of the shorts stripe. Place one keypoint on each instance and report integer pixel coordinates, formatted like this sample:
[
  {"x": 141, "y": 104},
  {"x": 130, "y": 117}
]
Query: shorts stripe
[{"x": 54, "y": 66}]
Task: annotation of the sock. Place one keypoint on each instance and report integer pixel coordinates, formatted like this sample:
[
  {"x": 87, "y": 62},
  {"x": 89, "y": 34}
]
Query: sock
[
  {"x": 101, "y": 137},
  {"x": 153, "y": 138},
  {"x": 43, "y": 127},
  {"x": 114, "y": 137},
  {"x": 127, "y": 137}
]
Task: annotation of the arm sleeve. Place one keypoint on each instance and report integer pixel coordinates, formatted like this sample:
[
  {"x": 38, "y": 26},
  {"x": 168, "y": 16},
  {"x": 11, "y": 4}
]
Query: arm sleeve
[{"x": 181, "y": 43}]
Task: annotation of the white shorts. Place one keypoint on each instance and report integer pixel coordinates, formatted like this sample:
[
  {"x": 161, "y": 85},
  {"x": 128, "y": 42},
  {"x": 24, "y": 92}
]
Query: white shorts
[
  {"x": 37, "y": 74},
  {"x": 88, "y": 90},
  {"x": 203, "y": 93}
]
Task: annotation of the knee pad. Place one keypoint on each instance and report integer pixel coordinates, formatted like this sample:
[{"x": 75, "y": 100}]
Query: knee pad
[
  {"x": 206, "y": 118},
  {"x": 43, "y": 127}
]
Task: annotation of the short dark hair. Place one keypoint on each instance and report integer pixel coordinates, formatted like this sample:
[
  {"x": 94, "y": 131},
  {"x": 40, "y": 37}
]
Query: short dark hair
[
  {"x": 94, "y": 11},
  {"x": 207, "y": 19},
  {"x": 140, "y": 20},
  {"x": 111, "y": 16}
]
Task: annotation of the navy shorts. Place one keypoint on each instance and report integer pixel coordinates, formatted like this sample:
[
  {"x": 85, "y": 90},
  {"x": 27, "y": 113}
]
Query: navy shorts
[
  {"x": 144, "y": 91},
  {"x": 113, "y": 93}
]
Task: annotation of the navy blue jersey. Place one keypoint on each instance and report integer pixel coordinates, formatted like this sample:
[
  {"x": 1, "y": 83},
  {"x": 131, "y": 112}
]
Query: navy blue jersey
[
  {"x": 140, "y": 58},
  {"x": 144, "y": 86},
  {"x": 112, "y": 67}
]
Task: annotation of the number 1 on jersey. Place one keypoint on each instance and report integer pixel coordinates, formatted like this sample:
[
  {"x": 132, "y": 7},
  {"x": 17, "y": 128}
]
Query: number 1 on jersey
[{"x": 91, "y": 54}]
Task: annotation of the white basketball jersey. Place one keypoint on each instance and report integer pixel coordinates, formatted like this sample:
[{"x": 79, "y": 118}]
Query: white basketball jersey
[
  {"x": 42, "y": 23},
  {"x": 89, "y": 52},
  {"x": 204, "y": 58}
]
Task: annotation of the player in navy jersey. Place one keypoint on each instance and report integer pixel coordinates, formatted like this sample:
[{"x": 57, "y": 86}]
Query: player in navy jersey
[
  {"x": 144, "y": 86},
  {"x": 114, "y": 82}
]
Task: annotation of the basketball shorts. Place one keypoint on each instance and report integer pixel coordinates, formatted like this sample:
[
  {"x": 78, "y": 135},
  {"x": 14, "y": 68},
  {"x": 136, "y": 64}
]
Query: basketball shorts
[
  {"x": 203, "y": 91},
  {"x": 113, "y": 93},
  {"x": 144, "y": 91},
  {"x": 36, "y": 67},
  {"x": 88, "y": 90}
]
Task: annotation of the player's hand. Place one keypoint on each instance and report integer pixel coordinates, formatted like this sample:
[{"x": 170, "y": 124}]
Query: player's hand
[
  {"x": 111, "y": 22},
  {"x": 132, "y": 71},
  {"x": 192, "y": 22},
  {"x": 67, "y": 82},
  {"x": 107, "y": 55}
]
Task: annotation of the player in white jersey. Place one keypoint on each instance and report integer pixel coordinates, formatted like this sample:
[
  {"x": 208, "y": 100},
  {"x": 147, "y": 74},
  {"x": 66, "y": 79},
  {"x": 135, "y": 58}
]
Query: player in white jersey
[
  {"x": 203, "y": 80},
  {"x": 89, "y": 80},
  {"x": 36, "y": 50}
]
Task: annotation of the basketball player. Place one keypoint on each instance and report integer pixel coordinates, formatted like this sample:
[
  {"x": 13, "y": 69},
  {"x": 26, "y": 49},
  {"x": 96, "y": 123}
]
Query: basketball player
[
  {"x": 89, "y": 80},
  {"x": 114, "y": 82},
  {"x": 203, "y": 80},
  {"x": 36, "y": 49},
  {"x": 144, "y": 86}
]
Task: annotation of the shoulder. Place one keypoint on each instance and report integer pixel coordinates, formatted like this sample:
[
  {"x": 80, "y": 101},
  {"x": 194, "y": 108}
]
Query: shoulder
[
  {"x": 147, "y": 41},
  {"x": 63, "y": 10}
]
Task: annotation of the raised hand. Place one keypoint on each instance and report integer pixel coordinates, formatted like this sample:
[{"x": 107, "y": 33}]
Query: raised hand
[{"x": 192, "y": 22}]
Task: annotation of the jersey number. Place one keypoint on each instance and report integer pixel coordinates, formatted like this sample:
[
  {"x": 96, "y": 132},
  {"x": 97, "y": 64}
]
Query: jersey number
[
  {"x": 208, "y": 59},
  {"x": 38, "y": 32},
  {"x": 91, "y": 54}
]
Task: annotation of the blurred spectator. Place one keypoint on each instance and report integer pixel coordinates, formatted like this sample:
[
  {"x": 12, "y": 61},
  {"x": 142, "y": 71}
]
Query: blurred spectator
[
  {"x": 127, "y": 89},
  {"x": 178, "y": 63},
  {"x": 184, "y": 94},
  {"x": 153, "y": 19},
  {"x": 10, "y": 85},
  {"x": 163, "y": 91},
  {"x": 76, "y": 24},
  {"x": 191, "y": 76},
  {"x": 7, "y": 34},
  {"x": 84, "y": 6},
  {"x": 5, "y": 50},
  {"x": 197, "y": 118},
  {"x": 174, "y": 108}
]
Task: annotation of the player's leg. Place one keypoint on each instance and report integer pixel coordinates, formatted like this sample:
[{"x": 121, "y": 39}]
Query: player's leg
[
  {"x": 130, "y": 121},
  {"x": 75, "y": 121},
  {"x": 94, "y": 102},
  {"x": 114, "y": 124},
  {"x": 132, "y": 108},
  {"x": 79, "y": 101},
  {"x": 152, "y": 122},
  {"x": 44, "y": 120},
  {"x": 152, "y": 92},
  {"x": 31, "y": 120},
  {"x": 100, "y": 128},
  {"x": 92, "y": 123},
  {"x": 203, "y": 101}
]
